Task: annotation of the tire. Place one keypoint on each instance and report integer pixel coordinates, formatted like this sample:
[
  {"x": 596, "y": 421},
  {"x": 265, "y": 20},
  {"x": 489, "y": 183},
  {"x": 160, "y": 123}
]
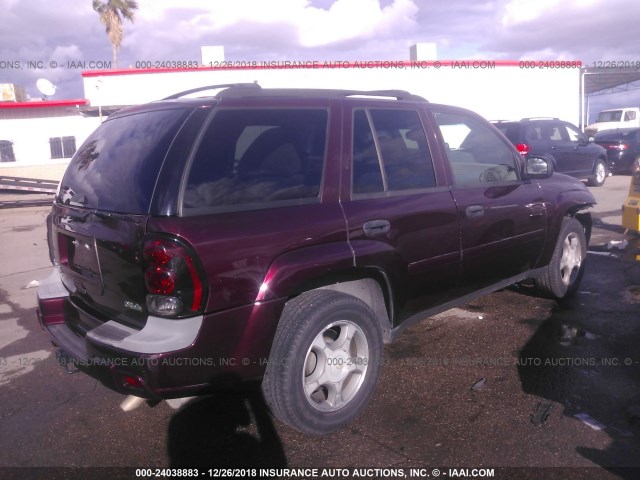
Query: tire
[
  {"x": 564, "y": 273},
  {"x": 324, "y": 362},
  {"x": 599, "y": 174}
]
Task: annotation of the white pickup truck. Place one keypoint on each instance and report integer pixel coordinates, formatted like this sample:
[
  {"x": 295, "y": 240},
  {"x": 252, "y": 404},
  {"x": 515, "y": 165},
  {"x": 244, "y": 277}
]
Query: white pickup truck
[{"x": 626, "y": 117}]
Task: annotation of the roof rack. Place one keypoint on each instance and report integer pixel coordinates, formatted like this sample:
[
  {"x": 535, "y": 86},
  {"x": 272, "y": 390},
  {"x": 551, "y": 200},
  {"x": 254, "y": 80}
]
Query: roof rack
[
  {"x": 539, "y": 118},
  {"x": 250, "y": 89},
  {"x": 397, "y": 94},
  {"x": 321, "y": 92},
  {"x": 212, "y": 87}
]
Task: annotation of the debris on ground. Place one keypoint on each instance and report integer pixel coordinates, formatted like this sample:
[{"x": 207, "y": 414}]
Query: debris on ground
[
  {"x": 590, "y": 421},
  {"x": 480, "y": 384},
  {"x": 543, "y": 410}
]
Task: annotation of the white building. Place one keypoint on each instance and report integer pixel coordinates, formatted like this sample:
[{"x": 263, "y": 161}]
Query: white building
[
  {"x": 37, "y": 139},
  {"x": 41, "y": 131}
]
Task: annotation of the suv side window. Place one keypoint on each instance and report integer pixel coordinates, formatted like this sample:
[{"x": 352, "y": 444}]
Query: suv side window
[
  {"x": 575, "y": 135},
  {"x": 390, "y": 152},
  {"x": 258, "y": 158},
  {"x": 476, "y": 154},
  {"x": 552, "y": 132}
]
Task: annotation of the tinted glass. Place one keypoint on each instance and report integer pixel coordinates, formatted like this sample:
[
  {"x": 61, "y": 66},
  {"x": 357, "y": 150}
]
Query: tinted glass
[
  {"x": 258, "y": 158},
  {"x": 574, "y": 134},
  {"x": 403, "y": 146},
  {"x": 509, "y": 130},
  {"x": 367, "y": 176},
  {"x": 476, "y": 154},
  {"x": 405, "y": 157},
  {"x": 116, "y": 168},
  {"x": 552, "y": 133}
]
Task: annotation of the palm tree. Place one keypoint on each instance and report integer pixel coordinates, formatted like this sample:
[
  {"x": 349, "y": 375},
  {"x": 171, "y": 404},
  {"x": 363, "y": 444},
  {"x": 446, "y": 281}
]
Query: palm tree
[{"x": 112, "y": 14}]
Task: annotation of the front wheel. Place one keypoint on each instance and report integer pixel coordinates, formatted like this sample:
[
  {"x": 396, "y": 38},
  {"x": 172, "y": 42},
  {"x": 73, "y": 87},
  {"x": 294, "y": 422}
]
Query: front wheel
[
  {"x": 324, "y": 362},
  {"x": 564, "y": 273},
  {"x": 599, "y": 174}
]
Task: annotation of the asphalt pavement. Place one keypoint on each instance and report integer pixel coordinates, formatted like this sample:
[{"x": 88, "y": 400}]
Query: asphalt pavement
[{"x": 512, "y": 382}]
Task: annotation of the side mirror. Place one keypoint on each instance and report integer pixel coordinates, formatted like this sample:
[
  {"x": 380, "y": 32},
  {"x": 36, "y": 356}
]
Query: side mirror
[
  {"x": 538, "y": 167},
  {"x": 583, "y": 140}
]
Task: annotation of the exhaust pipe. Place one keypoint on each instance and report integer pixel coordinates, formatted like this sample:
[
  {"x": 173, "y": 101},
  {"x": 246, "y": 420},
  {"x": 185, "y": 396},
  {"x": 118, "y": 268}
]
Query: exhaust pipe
[{"x": 131, "y": 403}]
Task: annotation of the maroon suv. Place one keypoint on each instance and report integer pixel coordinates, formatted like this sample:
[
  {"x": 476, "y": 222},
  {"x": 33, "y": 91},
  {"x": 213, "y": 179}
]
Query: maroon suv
[{"x": 286, "y": 235}]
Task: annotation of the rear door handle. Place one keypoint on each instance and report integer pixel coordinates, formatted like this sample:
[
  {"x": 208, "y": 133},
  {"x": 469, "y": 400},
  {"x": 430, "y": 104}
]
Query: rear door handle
[
  {"x": 376, "y": 228},
  {"x": 475, "y": 211}
]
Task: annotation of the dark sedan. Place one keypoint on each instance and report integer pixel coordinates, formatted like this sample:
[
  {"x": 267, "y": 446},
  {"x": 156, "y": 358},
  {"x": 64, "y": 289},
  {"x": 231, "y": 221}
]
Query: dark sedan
[{"x": 623, "y": 147}]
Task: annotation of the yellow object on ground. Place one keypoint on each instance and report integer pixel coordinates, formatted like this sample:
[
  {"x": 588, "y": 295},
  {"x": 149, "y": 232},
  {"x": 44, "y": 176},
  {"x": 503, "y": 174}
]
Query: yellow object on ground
[{"x": 631, "y": 206}]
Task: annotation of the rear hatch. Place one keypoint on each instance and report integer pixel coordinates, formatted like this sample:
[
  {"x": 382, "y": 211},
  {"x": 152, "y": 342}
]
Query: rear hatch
[{"x": 101, "y": 210}]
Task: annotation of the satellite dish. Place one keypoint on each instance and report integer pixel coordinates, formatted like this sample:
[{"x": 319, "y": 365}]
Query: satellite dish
[{"x": 46, "y": 87}]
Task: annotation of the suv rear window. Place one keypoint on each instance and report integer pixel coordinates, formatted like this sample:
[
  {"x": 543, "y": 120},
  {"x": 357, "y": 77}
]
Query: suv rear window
[
  {"x": 116, "y": 168},
  {"x": 257, "y": 158},
  {"x": 511, "y": 130}
]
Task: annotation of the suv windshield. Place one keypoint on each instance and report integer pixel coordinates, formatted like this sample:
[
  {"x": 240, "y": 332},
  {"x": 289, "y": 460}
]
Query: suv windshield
[
  {"x": 116, "y": 168},
  {"x": 610, "y": 116}
]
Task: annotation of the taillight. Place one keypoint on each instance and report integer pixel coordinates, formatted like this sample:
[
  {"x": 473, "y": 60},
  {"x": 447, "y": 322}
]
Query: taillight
[
  {"x": 523, "y": 148},
  {"x": 620, "y": 147},
  {"x": 174, "y": 284}
]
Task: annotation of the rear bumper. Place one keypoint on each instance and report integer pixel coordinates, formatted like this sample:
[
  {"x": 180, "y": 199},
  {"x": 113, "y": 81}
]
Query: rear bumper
[
  {"x": 620, "y": 163},
  {"x": 167, "y": 358}
]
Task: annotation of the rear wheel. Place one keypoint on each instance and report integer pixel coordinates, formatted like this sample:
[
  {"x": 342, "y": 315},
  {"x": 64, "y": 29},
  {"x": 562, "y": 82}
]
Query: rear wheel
[
  {"x": 324, "y": 362},
  {"x": 599, "y": 174},
  {"x": 566, "y": 268}
]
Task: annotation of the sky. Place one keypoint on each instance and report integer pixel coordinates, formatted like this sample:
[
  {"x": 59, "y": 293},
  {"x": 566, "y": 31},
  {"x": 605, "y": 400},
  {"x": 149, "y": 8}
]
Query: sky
[{"x": 66, "y": 31}]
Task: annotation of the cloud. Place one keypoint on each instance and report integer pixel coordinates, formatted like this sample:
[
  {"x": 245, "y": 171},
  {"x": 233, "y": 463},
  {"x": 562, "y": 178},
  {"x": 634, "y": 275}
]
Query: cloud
[
  {"x": 286, "y": 24},
  {"x": 348, "y": 19},
  {"x": 586, "y": 30}
]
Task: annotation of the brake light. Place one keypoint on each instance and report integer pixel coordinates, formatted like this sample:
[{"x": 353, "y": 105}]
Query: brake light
[
  {"x": 173, "y": 281},
  {"x": 619, "y": 147},
  {"x": 523, "y": 148}
]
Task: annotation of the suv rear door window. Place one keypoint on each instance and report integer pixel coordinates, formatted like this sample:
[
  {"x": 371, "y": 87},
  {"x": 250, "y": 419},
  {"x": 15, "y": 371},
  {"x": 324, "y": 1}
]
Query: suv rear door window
[
  {"x": 258, "y": 158},
  {"x": 394, "y": 158}
]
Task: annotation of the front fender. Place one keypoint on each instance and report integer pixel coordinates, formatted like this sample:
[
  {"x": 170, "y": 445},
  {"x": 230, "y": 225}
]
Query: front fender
[{"x": 564, "y": 196}]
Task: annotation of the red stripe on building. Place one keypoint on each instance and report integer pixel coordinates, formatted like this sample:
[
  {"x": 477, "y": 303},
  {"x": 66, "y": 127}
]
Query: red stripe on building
[{"x": 45, "y": 103}]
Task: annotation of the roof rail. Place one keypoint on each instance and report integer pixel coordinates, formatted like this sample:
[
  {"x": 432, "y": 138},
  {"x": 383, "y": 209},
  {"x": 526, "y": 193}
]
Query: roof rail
[
  {"x": 242, "y": 89},
  {"x": 397, "y": 94},
  {"x": 212, "y": 87},
  {"x": 539, "y": 118}
]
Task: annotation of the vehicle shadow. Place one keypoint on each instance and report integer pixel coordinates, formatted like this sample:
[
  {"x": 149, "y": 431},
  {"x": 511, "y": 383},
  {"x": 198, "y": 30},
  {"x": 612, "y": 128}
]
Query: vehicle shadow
[
  {"x": 599, "y": 223},
  {"x": 229, "y": 429},
  {"x": 584, "y": 357}
]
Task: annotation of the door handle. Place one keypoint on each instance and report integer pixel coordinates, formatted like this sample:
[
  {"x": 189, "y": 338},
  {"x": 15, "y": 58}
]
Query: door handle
[
  {"x": 475, "y": 211},
  {"x": 376, "y": 228}
]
